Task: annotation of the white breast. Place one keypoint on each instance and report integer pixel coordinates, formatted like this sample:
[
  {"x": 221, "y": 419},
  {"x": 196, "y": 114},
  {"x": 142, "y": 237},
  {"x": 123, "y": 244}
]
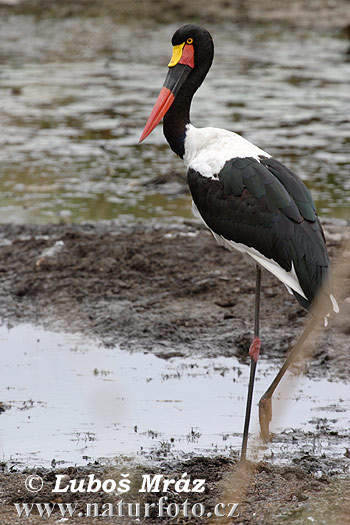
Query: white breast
[{"x": 208, "y": 149}]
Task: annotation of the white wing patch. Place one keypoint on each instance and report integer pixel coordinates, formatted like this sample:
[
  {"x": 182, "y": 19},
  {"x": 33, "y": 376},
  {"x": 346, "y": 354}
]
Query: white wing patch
[
  {"x": 208, "y": 149},
  {"x": 289, "y": 279}
]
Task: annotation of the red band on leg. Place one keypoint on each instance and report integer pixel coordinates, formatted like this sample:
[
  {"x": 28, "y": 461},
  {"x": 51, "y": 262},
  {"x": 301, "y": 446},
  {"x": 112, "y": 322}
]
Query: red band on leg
[{"x": 254, "y": 349}]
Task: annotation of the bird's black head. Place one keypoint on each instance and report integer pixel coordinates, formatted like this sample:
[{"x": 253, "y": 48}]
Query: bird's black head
[
  {"x": 197, "y": 37},
  {"x": 193, "y": 52}
]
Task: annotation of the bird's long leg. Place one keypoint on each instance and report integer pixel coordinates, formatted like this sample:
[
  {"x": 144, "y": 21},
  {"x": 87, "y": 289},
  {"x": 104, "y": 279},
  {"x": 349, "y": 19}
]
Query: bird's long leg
[
  {"x": 254, "y": 351},
  {"x": 265, "y": 407}
]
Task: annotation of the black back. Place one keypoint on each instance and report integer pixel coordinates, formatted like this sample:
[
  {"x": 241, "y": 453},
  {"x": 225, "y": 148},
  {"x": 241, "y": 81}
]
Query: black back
[{"x": 266, "y": 206}]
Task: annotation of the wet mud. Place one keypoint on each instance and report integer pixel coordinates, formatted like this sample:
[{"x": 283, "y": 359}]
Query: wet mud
[
  {"x": 169, "y": 291},
  {"x": 265, "y": 494},
  {"x": 173, "y": 292}
]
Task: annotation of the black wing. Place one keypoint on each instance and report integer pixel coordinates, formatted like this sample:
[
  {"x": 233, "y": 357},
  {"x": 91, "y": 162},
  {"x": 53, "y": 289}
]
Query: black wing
[{"x": 265, "y": 206}]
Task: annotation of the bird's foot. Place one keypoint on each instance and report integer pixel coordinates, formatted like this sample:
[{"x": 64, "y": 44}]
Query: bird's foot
[
  {"x": 254, "y": 349},
  {"x": 265, "y": 416}
]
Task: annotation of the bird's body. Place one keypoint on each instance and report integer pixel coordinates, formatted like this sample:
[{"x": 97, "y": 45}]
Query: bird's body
[
  {"x": 250, "y": 201},
  {"x": 254, "y": 204}
]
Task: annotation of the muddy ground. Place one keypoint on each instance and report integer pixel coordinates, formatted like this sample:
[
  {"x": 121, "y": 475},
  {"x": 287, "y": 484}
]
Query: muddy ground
[
  {"x": 174, "y": 292},
  {"x": 167, "y": 290},
  {"x": 266, "y": 494}
]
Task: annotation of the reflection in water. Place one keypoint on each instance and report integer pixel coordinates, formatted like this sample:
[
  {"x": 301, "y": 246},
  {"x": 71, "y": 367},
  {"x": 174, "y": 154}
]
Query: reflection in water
[{"x": 76, "y": 95}]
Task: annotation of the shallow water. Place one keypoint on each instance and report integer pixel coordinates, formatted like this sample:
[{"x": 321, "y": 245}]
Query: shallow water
[
  {"x": 73, "y": 401},
  {"x": 76, "y": 93}
]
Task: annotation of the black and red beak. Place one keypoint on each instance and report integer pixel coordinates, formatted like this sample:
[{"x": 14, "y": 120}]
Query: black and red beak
[{"x": 180, "y": 66}]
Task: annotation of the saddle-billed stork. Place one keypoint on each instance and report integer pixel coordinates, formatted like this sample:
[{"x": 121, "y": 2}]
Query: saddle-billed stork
[{"x": 250, "y": 201}]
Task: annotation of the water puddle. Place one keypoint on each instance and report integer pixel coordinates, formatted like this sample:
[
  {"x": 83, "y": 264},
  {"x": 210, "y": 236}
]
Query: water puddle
[{"x": 69, "y": 400}]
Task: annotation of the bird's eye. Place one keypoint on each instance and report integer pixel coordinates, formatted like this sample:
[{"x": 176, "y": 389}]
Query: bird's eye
[{"x": 189, "y": 41}]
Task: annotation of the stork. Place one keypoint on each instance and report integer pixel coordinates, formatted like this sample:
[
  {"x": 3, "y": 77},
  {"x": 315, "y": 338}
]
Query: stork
[{"x": 250, "y": 201}]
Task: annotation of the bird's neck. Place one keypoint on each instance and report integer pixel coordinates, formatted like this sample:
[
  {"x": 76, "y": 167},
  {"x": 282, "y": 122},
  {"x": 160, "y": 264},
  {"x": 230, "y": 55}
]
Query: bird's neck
[
  {"x": 178, "y": 116},
  {"x": 175, "y": 122}
]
